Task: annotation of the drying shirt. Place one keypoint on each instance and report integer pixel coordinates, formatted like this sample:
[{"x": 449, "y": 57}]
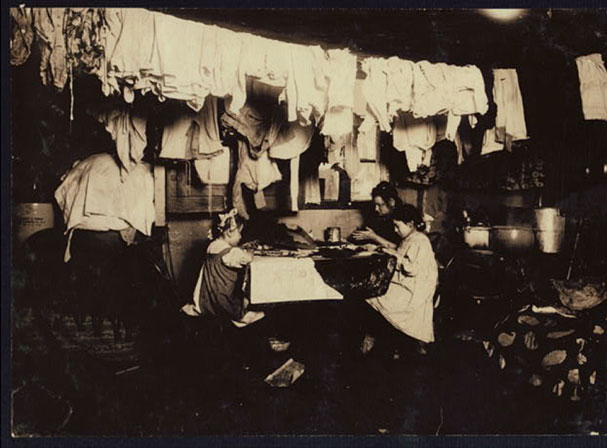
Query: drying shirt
[
  {"x": 94, "y": 196},
  {"x": 374, "y": 90},
  {"x": 341, "y": 73},
  {"x": 415, "y": 136},
  {"x": 593, "y": 86},
  {"x": 408, "y": 303},
  {"x": 367, "y": 178},
  {"x": 193, "y": 134},
  {"x": 128, "y": 132},
  {"x": 510, "y": 118},
  {"x": 48, "y": 23}
]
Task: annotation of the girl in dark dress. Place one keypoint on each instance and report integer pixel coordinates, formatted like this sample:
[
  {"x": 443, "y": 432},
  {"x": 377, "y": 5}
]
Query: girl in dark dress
[{"x": 219, "y": 290}]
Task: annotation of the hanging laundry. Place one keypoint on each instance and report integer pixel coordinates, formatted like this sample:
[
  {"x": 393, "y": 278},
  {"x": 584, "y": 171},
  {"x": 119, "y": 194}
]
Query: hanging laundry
[
  {"x": 311, "y": 188},
  {"x": 229, "y": 82},
  {"x": 415, "y": 136},
  {"x": 214, "y": 170},
  {"x": 343, "y": 152},
  {"x": 22, "y": 34},
  {"x": 255, "y": 174},
  {"x": 292, "y": 140},
  {"x": 177, "y": 136},
  {"x": 330, "y": 178},
  {"x": 399, "y": 89},
  {"x": 84, "y": 29},
  {"x": 367, "y": 178},
  {"x": 360, "y": 100},
  {"x": 374, "y": 89},
  {"x": 128, "y": 62},
  {"x": 366, "y": 139},
  {"x": 510, "y": 118},
  {"x": 593, "y": 86},
  {"x": 431, "y": 90},
  {"x": 129, "y": 133},
  {"x": 308, "y": 85},
  {"x": 341, "y": 73},
  {"x": 490, "y": 143},
  {"x": 48, "y": 23},
  {"x": 265, "y": 59},
  {"x": 260, "y": 126},
  {"x": 175, "y": 64}
]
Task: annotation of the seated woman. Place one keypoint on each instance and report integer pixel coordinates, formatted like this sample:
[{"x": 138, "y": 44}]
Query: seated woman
[
  {"x": 408, "y": 304},
  {"x": 379, "y": 228},
  {"x": 219, "y": 291}
]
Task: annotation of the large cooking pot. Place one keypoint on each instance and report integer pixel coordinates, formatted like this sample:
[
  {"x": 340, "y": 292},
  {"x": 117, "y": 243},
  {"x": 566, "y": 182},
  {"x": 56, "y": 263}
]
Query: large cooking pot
[
  {"x": 512, "y": 239},
  {"x": 477, "y": 237}
]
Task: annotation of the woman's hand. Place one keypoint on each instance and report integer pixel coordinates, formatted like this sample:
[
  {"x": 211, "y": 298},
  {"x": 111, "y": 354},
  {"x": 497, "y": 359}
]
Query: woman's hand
[
  {"x": 390, "y": 251},
  {"x": 365, "y": 234}
]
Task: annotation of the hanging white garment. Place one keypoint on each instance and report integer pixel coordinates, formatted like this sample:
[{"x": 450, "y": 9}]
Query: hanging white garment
[
  {"x": 432, "y": 93},
  {"x": 175, "y": 138},
  {"x": 374, "y": 89},
  {"x": 490, "y": 143},
  {"x": 128, "y": 132},
  {"x": 214, "y": 170},
  {"x": 366, "y": 140},
  {"x": 415, "y": 136},
  {"x": 255, "y": 174},
  {"x": 510, "y": 118},
  {"x": 593, "y": 86},
  {"x": 341, "y": 73},
  {"x": 399, "y": 89},
  {"x": 367, "y": 178},
  {"x": 306, "y": 91}
]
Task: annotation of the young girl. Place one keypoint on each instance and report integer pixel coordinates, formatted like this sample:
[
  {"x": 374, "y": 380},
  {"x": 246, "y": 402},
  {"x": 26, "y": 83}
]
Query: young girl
[
  {"x": 408, "y": 303},
  {"x": 219, "y": 291}
]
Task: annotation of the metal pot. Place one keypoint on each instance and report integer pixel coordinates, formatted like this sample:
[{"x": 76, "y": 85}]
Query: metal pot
[
  {"x": 333, "y": 234},
  {"x": 512, "y": 239},
  {"x": 477, "y": 237}
]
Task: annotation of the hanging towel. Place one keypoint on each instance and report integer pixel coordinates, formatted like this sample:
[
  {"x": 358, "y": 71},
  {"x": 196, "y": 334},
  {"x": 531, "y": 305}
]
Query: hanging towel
[
  {"x": 415, "y": 136},
  {"x": 593, "y": 86},
  {"x": 510, "y": 118}
]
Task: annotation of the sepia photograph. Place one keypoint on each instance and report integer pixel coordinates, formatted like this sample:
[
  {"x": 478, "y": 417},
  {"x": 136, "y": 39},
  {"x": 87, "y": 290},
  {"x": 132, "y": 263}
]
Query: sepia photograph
[{"x": 239, "y": 222}]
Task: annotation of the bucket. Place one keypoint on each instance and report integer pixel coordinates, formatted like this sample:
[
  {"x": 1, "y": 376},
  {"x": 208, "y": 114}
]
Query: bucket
[
  {"x": 550, "y": 241},
  {"x": 32, "y": 217},
  {"x": 549, "y": 219},
  {"x": 549, "y": 229}
]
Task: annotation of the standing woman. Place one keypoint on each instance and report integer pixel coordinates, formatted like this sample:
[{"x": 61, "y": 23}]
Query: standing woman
[
  {"x": 408, "y": 303},
  {"x": 379, "y": 228}
]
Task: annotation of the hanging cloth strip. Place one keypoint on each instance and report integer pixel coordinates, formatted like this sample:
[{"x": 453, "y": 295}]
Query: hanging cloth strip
[{"x": 593, "y": 86}]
